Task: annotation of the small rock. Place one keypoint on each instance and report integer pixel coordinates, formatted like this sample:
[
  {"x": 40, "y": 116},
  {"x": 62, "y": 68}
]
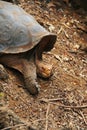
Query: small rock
[{"x": 76, "y": 47}]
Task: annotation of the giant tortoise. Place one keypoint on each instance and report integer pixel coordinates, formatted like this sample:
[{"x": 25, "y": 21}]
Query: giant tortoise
[{"x": 22, "y": 42}]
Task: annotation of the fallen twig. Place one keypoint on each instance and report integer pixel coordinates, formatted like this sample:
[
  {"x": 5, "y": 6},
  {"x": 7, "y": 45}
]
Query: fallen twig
[
  {"x": 48, "y": 107},
  {"x": 50, "y": 100},
  {"x": 65, "y": 34},
  {"x": 65, "y": 106},
  {"x": 60, "y": 30},
  {"x": 38, "y": 120},
  {"x": 9, "y": 127},
  {"x": 83, "y": 117},
  {"x": 55, "y": 56},
  {"x": 66, "y": 25},
  {"x": 81, "y": 27},
  {"x": 60, "y": 105}
]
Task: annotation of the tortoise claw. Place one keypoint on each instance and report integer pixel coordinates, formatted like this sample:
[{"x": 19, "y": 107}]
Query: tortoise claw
[{"x": 32, "y": 87}]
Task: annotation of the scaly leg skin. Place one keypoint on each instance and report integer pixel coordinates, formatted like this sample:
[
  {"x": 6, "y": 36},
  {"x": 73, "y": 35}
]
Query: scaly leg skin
[
  {"x": 27, "y": 68},
  {"x": 30, "y": 77}
]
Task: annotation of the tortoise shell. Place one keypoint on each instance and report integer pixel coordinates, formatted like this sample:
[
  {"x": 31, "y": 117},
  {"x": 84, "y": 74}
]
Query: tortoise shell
[{"x": 19, "y": 31}]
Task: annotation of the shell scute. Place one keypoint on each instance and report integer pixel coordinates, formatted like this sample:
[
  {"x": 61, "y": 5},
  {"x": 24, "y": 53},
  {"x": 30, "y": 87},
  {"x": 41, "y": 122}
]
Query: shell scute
[{"x": 19, "y": 31}]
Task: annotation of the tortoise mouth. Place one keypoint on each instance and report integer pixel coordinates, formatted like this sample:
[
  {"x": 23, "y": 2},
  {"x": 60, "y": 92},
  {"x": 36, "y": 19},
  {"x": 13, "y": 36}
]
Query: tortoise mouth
[{"x": 46, "y": 44}]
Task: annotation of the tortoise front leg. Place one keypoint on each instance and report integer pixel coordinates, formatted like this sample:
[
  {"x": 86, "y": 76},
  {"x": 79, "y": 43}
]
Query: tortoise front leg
[{"x": 30, "y": 77}]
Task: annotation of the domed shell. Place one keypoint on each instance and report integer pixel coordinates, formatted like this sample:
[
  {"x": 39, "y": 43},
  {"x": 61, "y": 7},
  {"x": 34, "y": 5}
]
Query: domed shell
[{"x": 19, "y": 31}]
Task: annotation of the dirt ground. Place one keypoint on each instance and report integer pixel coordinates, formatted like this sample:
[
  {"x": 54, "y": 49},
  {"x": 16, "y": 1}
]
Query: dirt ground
[{"x": 62, "y": 101}]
